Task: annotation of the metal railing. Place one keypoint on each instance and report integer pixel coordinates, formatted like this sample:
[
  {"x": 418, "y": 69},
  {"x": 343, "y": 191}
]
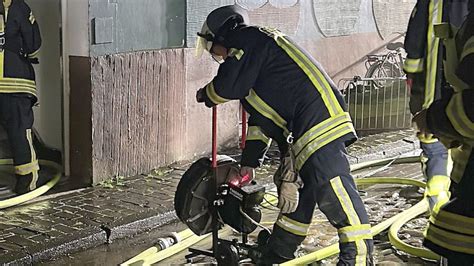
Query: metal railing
[{"x": 377, "y": 104}]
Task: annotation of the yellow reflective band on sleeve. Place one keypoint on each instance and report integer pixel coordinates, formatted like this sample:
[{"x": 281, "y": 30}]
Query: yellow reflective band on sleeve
[
  {"x": 468, "y": 48},
  {"x": 457, "y": 115},
  {"x": 354, "y": 233},
  {"x": 413, "y": 65},
  {"x": 255, "y": 133},
  {"x": 34, "y": 54},
  {"x": 292, "y": 226},
  {"x": 453, "y": 222},
  {"x": 264, "y": 109},
  {"x": 432, "y": 47},
  {"x": 322, "y": 140},
  {"x": 449, "y": 240},
  {"x": 28, "y": 168},
  {"x": 213, "y": 96},
  {"x": 427, "y": 138},
  {"x": 460, "y": 158},
  {"x": 237, "y": 53},
  {"x": 437, "y": 184},
  {"x": 320, "y": 129},
  {"x": 310, "y": 69}
]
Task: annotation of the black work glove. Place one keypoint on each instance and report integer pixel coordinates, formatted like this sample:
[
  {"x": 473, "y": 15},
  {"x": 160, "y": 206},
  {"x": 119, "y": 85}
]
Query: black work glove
[{"x": 200, "y": 95}]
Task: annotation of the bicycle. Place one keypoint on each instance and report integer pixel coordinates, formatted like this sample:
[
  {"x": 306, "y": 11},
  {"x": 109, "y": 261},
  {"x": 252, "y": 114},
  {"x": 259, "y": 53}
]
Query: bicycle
[{"x": 390, "y": 65}]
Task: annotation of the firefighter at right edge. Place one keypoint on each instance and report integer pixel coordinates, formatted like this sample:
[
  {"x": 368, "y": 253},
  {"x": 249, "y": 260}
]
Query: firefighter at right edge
[
  {"x": 19, "y": 44},
  {"x": 450, "y": 232},
  {"x": 423, "y": 66},
  {"x": 287, "y": 93}
]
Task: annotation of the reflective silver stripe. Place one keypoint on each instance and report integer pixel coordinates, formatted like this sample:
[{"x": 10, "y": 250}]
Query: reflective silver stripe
[
  {"x": 344, "y": 200},
  {"x": 354, "y": 233},
  {"x": 255, "y": 133},
  {"x": 319, "y": 129},
  {"x": 264, "y": 109},
  {"x": 322, "y": 140},
  {"x": 449, "y": 240},
  {"x": 237, "y": 53},
  {"x": 453, "y": 222},
  {"x": 292, "y": 226},
  {"x": 28, "y": 168}
]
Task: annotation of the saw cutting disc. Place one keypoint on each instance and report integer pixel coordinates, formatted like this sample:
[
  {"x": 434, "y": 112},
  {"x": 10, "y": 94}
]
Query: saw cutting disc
[{"x": 196, "y": 191}]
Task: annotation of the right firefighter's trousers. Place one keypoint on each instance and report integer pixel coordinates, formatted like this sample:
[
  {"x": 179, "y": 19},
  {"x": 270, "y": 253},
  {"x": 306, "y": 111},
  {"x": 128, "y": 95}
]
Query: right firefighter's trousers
[
  {"x": 436, "y": 168},
  {"x": 16, "y": 117},
  {"x": 328, "y": 183},
  {"x": 450, "y": 232}
]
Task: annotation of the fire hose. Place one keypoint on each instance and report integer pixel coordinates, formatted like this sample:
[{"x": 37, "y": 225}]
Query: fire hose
[
  {"x": 157, "y": 253},
  {"x": 38, "y": 191}
]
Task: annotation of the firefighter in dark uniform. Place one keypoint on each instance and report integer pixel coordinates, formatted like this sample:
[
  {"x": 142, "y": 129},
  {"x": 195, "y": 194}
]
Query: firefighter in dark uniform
[
  {"x": 291, "y": 100},
  {"x": 20, "y": 41},
  {"x": 451, "y": 231},
  {"x": 423, "y": 66}
]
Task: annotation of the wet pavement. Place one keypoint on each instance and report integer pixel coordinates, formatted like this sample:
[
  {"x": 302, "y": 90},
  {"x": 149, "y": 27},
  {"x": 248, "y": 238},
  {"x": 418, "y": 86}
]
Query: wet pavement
[{"x": 57, "y": 227}]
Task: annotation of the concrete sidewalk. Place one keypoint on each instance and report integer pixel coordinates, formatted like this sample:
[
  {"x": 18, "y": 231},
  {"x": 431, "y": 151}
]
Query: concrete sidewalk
[{"x": 59, "y": 224}]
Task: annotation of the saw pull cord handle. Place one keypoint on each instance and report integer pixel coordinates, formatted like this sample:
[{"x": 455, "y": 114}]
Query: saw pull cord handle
[{"x": 244, "y": 127}]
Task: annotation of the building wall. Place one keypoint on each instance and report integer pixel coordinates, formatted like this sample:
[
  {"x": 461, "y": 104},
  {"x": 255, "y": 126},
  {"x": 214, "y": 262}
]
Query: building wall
[{"x": 144, "y": 74}]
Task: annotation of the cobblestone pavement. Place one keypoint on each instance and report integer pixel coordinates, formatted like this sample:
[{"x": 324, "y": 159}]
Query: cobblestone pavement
[{"x": 85, "y": 218}]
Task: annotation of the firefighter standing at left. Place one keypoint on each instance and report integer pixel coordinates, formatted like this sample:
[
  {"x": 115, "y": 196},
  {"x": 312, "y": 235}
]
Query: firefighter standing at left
[{"x": 20, "y": 41}]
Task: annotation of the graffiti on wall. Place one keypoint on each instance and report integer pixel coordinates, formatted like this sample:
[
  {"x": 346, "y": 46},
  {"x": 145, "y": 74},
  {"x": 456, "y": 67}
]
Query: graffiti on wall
[
  {"x": 391, "y": 16},
  {"x": 336, "y": 17}
]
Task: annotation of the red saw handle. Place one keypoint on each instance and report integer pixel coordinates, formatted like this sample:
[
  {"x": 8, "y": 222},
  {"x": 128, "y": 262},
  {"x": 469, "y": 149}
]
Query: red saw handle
[{"x": 214, "y": 137}]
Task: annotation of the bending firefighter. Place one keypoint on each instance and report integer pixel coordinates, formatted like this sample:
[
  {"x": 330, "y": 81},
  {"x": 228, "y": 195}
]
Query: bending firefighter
[
  {"x": 291, "y": 100},
  {"x": 451, "y": 231},
  {"x": 424, "y": 71},
  {"x": 19, "y": 43}
]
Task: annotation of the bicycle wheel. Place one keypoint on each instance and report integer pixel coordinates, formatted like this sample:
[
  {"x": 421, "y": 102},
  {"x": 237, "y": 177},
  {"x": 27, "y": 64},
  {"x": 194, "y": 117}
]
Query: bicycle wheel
[{"x": 379, "y": 71}]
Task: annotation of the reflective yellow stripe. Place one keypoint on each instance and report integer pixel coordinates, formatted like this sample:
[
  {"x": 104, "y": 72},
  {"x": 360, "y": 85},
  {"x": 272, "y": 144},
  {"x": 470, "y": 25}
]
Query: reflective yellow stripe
[
  {"x": 255, "y": 133},
  {"x": 413, "y": 65},
  {"x": 449, "y": 240},
  {"x": 468, "y": 48},
  {"x": 15, "y": 81},
  {"x": 213, "y": 96},
  {"x": 432, "y": 46},
  {"x": 453, "y": 222},
  {"x": 354, "y": 233},
  {"x": 34, "y": 173},
  {"x": 427, "y": 138},
  {"x": 460, "y": 158},
  {"x": 437, "y": 184},
  {"x": 264, "y": 109},
  {"x": 352, "y": 216},
  {"x": 292, "y": 226},
  {"x": 310, "y": 69},
  {"x": 457, "y": 116},
  {"x": 25, "y": 169},
  {"x": 322, "y": 140},
  {"x": 319, "y": 129},
  {"x": 237, "y": 53},
  {"x": 2, "y": 63}
]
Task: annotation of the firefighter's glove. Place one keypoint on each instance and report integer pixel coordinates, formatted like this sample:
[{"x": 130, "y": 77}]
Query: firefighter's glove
[
  {"x": 200, "y": 95},
  {"x": 288, "y": 184}
]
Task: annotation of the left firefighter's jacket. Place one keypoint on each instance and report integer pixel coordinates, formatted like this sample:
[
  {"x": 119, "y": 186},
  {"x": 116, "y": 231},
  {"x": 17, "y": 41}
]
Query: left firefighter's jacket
[
  {"x": 453, "y": 116},
  {"x": 22, "y": 40},
  {"x": 284, "y": 90}
]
